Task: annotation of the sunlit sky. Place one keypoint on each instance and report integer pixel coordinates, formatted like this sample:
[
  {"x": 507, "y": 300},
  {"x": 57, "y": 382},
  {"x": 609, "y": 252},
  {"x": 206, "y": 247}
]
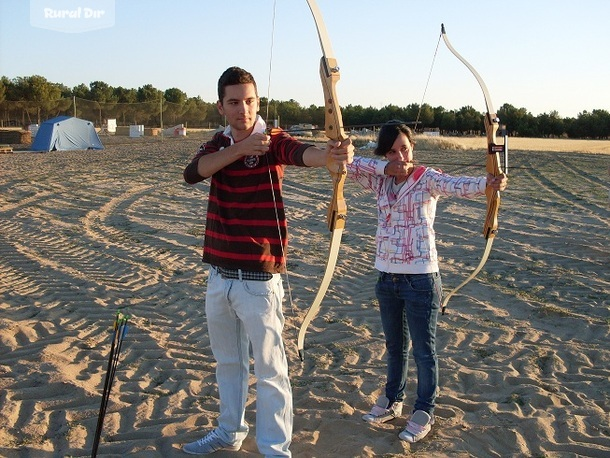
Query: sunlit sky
[{"x": 543, "y": 55}]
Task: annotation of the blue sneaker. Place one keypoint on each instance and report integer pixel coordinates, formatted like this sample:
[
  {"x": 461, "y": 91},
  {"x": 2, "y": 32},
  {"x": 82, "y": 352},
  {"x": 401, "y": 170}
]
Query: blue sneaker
[{"x": 210, "y": 443}]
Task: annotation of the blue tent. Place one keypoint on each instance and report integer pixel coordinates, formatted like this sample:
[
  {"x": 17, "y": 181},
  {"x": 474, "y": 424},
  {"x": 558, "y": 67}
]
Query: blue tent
[{"x": 66, "y": 133}]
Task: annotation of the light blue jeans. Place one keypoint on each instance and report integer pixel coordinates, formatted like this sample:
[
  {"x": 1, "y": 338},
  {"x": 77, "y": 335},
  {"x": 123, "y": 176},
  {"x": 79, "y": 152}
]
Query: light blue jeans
[{"x": 239, "y": 313}]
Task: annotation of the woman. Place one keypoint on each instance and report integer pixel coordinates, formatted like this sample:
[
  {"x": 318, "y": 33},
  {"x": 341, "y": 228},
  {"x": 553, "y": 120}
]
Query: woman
[{"x": 409, "y": 287}]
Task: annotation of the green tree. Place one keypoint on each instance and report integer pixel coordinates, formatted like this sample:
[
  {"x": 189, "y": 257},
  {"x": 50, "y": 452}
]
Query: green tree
[
  {"x": 124, "y": 95},
  {"x": 447, "y": 122},
  {"x": 81, "y": 91},
  {"x": 469, "y": 120},
  {"x": 392, "y": 112},
  {"x": 104, "y": 101},
  {"x": 37, "y": 89},
  {"x": 125, "y": 108},
  {"x": 148, "y": 112},
  {"x": 174, "y": 106},
  {"x": 201, "y": 114},
  {"x": 518, "y": 121},
  {"x": 33, "y": 97},
  {"x": 148, "y": 93},
  {"x": 425, "y": 115},
  {"x": 101, "y": 92},
  {"x": 595, "y": 124},
  {"x": 290, "y": 112},
  {"x": 175, "y": 95},
  {"x": 550, "y": 125}
]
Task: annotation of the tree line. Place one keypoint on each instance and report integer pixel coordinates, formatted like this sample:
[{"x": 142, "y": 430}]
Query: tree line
[{"x": 33, "y": 99}]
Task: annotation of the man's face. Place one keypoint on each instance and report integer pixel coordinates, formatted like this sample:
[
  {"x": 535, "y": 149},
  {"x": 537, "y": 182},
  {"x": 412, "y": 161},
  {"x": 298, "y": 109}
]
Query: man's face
[{"x": 240, "y": 106}]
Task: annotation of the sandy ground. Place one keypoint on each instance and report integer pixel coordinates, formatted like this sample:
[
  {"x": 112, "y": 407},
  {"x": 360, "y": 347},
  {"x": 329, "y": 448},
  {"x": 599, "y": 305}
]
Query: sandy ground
[
  {"x": 541, "y": 144},
  {"x": 524, "y": 349}
]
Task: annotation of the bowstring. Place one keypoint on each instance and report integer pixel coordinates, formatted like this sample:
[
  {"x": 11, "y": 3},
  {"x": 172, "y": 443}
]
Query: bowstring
[
  {"x": 275, "y": 205},
  {"x": 428, "y": 81},
  {"x": 270, "y": 60}
]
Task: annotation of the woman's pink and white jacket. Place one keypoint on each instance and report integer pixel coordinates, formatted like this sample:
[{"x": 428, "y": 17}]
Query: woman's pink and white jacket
[{"x": 405, "y": 228}]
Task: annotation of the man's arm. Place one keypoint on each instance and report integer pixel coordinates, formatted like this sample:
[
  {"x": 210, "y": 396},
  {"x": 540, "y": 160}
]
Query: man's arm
[
  {"x": 207, "y": 165},
  {"x": 340, "y": 153}
]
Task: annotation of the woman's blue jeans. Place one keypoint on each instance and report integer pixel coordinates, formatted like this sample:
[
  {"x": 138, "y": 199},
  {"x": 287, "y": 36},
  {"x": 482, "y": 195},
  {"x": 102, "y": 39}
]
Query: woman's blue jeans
[{"x": 409, "y": 305}]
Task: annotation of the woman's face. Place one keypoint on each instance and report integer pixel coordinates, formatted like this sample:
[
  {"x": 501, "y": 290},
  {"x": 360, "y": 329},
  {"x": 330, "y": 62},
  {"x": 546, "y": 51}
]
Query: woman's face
[{"x": 402, "y": 150}]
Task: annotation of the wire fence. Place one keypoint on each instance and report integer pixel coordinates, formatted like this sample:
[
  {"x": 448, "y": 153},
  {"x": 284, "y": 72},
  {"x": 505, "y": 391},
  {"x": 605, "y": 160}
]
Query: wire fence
[{"x": 194, "y": 113}]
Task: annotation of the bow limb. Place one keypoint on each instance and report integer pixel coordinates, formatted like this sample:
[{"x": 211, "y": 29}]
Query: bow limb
[
  {"x": 493, "y": 166},
  {"x": 337, "y": 210}
]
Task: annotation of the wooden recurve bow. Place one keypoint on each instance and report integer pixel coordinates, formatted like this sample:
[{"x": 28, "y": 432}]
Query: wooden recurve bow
[
  {"x": 333, "y": 124},
  {"x": 493, "y": 166}
]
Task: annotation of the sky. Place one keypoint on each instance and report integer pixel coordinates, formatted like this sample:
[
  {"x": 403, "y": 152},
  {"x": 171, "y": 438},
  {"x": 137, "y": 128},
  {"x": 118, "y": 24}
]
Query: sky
[{"x": 541, "y": 55}]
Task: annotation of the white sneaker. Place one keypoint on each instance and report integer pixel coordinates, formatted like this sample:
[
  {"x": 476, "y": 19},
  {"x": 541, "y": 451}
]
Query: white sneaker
[
  {"x": 383, "y": 411},
  {"x": 210, "y": 443},
  {"x": 418, "y": 426}
]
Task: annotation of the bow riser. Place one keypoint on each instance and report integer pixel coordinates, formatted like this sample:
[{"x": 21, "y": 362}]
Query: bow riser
[
  {"x": 491, "y": 219},
  {"x": 492, "y": 123},
  {"x": 333, "y": 122},
  {"x": 337, "y": 210}
]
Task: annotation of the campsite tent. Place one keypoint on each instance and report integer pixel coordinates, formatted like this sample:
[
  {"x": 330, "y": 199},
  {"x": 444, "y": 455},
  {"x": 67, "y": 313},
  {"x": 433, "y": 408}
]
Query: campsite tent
[{"x": 66, "y": 133}]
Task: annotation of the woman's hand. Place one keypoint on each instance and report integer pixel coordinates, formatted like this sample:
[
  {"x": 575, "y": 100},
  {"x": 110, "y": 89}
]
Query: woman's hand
[
  {"x": 399, "y": 168},
  {"x": 498, "y": 183}
]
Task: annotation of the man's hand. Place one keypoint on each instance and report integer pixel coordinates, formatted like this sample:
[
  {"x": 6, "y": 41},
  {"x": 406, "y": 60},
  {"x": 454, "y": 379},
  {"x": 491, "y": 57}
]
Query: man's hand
[
  {"x": 339, "y": 154},
  {"x": 253, "y": 145}
]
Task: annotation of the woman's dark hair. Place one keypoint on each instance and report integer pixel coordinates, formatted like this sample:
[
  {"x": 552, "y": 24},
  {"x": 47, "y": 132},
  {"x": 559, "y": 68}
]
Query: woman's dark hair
[
  {"x": 232, "y": 76},
  {"x": 388, "y": 133}
]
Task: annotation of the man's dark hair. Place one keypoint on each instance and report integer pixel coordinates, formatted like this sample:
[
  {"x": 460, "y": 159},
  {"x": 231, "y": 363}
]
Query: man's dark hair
[
  {"x": 388, "y": 134},
  {"x": 232, "y": 76}
]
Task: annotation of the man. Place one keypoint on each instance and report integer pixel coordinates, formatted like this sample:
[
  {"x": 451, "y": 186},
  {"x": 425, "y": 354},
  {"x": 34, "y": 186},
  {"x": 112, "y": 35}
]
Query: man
[{"x": 245, "y": 244}]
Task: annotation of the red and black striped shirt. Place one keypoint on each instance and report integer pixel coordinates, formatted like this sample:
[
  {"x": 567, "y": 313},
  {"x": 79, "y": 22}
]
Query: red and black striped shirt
[{"x": 246, "y": 225}]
